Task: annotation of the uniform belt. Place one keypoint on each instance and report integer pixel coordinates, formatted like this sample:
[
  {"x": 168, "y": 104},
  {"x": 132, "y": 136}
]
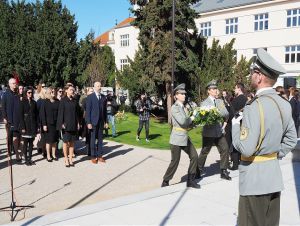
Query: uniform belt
[
  {"x": 260, "y": 158},
  {"x": 180, "y": 129}
]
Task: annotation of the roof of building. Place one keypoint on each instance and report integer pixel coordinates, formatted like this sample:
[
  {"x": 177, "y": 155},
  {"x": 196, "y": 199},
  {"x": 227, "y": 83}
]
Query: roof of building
[
  {"x": 104, "y": 38},
  {"x": 125, "y": 22},
  {"x": 204, "y": 6}
]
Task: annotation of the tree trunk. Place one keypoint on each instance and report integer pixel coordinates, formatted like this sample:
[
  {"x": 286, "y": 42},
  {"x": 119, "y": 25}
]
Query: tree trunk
[{"x": 169, "y": 100}]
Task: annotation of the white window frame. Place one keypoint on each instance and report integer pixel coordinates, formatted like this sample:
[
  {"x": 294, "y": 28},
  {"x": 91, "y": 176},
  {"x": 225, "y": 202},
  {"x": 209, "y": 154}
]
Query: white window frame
[
  {"x": 292, "y": 54},
  {"x": 124, "y": 40},
  {"x": 123, "y": 63},
  {"x": 231, "y": 25},
  {"x": 205, "y": 29},
  {"x": 261, "y": 22},
  {"x": 293, "y": 18}
]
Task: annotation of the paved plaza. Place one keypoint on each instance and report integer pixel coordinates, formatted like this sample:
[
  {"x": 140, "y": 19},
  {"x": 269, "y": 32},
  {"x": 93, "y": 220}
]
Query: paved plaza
[{"x": 126, "y": 190}]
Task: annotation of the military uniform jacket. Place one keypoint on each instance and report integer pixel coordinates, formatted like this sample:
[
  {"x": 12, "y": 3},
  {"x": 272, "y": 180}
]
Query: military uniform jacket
[
  {"x": 257, "y": 178},
  {"x": 216, "y": 129},
  {"x": 181, "y": 122}
]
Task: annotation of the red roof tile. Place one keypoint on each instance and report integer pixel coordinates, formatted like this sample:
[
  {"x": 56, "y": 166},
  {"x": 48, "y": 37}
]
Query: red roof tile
[{"x": 104, "y": 38}]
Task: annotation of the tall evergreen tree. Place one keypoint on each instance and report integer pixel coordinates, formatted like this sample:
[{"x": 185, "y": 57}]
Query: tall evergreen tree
[
  {"x": 56, "y": 30},
  {"x": 85, "y": 50},
  {"x": 220, "y": 63},
  {"x": 154, "y": 19},
  {"x": 23, "y": 42},
  {"x": 95, "y": 62},
  {"x": 5, "y": 40}
]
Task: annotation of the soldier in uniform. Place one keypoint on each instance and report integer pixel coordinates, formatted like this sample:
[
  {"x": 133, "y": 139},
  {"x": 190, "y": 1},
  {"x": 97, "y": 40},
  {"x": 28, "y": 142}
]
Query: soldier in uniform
[
  {"x": 179, "y": 139},
  {"x": 267, "y": 133},
  {"x": 214, "y": 134}
]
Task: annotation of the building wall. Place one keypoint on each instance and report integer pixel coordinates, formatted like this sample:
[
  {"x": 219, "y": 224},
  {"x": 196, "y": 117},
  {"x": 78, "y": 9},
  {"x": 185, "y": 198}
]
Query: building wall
[
  {"x": 274, "y": 39},
  {"x": 122, "y": 52}
]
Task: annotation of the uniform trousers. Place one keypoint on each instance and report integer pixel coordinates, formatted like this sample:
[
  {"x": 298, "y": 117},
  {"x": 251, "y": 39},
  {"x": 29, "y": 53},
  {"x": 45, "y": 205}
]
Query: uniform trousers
[
  {"x": 259, "y": 210},
  {"x": 176, "y": 152},
  {"x": 223, "y": 149}
]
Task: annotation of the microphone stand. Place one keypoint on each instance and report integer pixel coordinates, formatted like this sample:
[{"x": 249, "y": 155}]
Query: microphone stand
[{"x": 13, "y": 207}]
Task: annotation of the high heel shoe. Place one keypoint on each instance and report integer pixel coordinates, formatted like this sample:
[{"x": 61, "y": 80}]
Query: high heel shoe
[
  {"x": 67, "y": 164},
  {"x": 71, "y": 163}
]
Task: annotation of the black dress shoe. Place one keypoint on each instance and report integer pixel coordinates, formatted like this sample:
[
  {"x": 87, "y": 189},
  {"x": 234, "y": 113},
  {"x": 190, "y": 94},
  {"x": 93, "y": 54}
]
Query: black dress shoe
[
  {"x": 165, "y": 183},
  {"x": 191, "y": 183},
  {"x": 55, "y": 159},
  {"x": 49, "y": 160},
  {"x": 225, "y": 175}
]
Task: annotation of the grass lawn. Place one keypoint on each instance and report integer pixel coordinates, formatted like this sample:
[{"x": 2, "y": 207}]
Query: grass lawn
[{"x": 159, "y": 134}]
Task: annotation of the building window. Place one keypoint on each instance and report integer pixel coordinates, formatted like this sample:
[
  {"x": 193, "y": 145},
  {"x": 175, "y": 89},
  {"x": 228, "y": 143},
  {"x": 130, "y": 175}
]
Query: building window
[
  {"x": 232, "y": 25},
  {"x": 293, "y": 18},
  {"x": 205, "y": 29},
  {"x": 292, "y": 54},
  {"x": 261, "y": 22},
  {"x": 125, "y": 40},
  {"x": 123, "y": 62}
]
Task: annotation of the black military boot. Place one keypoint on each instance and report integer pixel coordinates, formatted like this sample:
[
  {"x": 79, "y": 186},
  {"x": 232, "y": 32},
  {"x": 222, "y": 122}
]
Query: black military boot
[
  {"x": 191, "y": 183},
  {"x": 165, "y": 183},
  {"x": 225, "y": 174},
  {"x": 199, "y": 173}
]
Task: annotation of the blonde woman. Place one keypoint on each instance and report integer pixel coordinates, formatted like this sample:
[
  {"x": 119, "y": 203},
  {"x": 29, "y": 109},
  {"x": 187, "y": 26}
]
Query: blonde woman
[{"x": 49, "y": 114}]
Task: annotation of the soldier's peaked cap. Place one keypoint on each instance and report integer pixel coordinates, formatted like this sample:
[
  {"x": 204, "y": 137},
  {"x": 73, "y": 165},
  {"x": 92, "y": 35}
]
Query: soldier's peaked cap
[
  {"x": 212, "y": 84},
  {"x": 267, "y": 64},
  {"x": 180, "y": 88}
]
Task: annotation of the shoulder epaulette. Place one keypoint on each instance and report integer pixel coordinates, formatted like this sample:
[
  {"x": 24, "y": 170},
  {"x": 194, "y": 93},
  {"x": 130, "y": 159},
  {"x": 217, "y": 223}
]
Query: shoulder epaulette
[{"x": 251, "y": 101}]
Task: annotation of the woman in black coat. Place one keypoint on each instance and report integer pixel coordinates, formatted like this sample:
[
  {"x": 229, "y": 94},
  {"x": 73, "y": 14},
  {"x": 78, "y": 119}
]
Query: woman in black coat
[
  {"x": 49, "y": 112},
  {"x": 68, "y": 122},
  {"x": 28, "y": 123}
]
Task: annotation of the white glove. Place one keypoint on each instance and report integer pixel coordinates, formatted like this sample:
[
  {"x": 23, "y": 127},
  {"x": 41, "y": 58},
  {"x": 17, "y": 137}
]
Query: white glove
[
  {"x": 237, "y": 120},
  {"x": 195, "y": 113}
]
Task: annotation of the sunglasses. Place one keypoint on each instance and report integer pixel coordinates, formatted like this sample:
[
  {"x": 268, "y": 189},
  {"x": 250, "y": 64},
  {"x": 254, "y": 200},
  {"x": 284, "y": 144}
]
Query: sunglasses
[
  {"x": 29, "y": 92},
  {"x": 60, "y": 91}
]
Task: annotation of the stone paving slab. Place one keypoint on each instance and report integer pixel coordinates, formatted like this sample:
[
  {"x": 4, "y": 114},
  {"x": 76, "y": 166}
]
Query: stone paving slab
[
  {"x": 126, "y": 190},
  {"x": 214, "y": 204},
  {"x": 52, "y": 187}
]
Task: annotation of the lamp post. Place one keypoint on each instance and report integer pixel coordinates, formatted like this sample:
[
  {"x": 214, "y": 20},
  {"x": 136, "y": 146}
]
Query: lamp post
[{"x": 173, "y": 49}]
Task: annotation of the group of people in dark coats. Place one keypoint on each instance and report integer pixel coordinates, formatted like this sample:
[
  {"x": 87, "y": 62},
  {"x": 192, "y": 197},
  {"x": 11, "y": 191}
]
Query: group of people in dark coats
[{"x": 51, "y": 116}]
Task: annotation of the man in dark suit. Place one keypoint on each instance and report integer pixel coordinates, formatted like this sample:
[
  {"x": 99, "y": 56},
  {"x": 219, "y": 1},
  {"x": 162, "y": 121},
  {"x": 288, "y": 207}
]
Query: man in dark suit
[
  {"x": 238, "y": 104},
  {"x": 96, "y": 119},
  {"x": 11, "y": 117}
]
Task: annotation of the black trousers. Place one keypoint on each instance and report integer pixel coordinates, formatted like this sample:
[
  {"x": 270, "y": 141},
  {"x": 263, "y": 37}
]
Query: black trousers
[
  {"x": 223, "y": 149},
  {"x": 141, "y": 124},
  {"x": 176, "y": 152},
  {"x": 259, "y": 210},
  {"x": 27, "y": 148},
  {"x": 235, "y": 157}
]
